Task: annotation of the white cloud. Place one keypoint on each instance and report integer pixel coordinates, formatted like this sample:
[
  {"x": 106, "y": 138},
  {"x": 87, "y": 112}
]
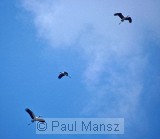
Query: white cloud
[{"x": 114, "y": 52}]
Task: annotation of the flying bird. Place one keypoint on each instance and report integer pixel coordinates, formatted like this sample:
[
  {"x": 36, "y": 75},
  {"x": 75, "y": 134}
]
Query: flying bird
[
  {"x": 62, "y": 74},
  {"x": 34, "y": 118},
  {"x": 123, "y": 18}
]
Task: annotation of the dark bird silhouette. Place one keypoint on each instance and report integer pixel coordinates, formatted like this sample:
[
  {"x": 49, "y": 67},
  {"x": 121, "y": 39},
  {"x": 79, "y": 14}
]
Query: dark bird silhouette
[
  {"x": 123, "y": 18},
  {"x": 62, "y": 74},
  {"x": 34, "y": 118}
]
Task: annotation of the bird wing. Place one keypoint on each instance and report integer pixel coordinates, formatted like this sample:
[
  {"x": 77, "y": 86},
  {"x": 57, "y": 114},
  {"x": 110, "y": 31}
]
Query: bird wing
[
  {"x": 40, "y": 120},
  {"x": 129, "y": 19},
  {"x": 60, "y": 75},
  {"x": 119, "y": 14},
  {"x": 65, "y": 73},
  {"x": 30, "y": 113}
]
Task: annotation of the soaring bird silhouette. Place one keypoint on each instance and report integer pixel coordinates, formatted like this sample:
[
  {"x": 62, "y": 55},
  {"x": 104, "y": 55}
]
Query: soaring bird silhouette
[
  {"x": 62, "y": 74},
  {"x": 123, "y": 17},
  {"x": 34, "y": 118}
]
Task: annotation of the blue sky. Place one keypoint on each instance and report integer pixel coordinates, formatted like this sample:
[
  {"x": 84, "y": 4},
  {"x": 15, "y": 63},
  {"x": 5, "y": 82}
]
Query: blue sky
[{"x": 115, "y": 69}]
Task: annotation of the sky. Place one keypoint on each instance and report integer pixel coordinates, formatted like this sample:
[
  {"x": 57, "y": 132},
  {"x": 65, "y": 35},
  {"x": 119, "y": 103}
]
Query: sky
[{"x": 115, "y": 69}]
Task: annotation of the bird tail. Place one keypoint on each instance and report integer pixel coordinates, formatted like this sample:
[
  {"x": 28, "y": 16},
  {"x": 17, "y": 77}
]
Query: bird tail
[
  {"x": 29, "y": 123},
  {"x": 32, "y": 121}
]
